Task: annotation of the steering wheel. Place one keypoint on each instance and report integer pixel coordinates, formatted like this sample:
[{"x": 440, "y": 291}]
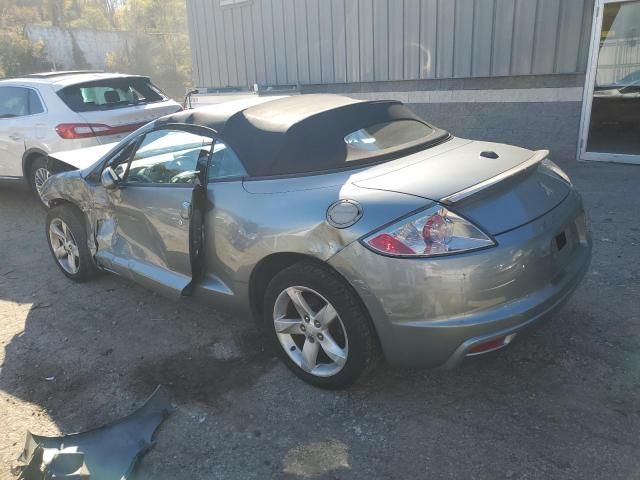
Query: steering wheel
[
  {"x": 185, "y": 177},
  {"x": 139, "y": 177},
  {"x": 157, "y": 173}
]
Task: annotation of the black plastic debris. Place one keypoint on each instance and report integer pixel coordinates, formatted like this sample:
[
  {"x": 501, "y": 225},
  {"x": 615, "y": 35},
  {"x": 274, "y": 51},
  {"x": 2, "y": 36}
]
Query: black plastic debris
[{"x": 106, "y": 453}]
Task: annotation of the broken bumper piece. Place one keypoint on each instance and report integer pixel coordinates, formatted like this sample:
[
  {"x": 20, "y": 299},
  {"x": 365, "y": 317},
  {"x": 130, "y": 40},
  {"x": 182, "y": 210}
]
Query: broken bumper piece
[{"x": 106, "y": 453}]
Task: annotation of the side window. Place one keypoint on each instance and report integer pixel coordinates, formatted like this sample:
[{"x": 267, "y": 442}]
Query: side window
[
  {"x": 224, "y": 163},
  {"x": 35, "y": 105},
  {"x": 168, "y": 157},
  {"x": 14, "y": 102}
]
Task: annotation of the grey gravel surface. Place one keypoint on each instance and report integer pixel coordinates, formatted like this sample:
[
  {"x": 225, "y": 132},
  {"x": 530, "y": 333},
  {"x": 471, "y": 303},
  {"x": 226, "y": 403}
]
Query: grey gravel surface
[{"x": 561, "y": 403}]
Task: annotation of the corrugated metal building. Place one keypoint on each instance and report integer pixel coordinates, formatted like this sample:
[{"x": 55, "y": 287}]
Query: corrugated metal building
[{"x": 505, "y": 70}]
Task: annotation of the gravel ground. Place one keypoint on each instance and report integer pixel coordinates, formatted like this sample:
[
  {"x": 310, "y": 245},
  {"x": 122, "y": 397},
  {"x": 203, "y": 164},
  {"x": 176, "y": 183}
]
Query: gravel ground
[{"x": 562, "y": 403}]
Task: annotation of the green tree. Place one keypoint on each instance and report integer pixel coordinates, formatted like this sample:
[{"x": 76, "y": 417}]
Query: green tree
[
  {"x": 159, "y": 45},
  {"x": 19, "y": 56},
  {"x": 17, "y": 14},
  {"x": 92, "y": 17},
  {"x": 56, "y": 12}
]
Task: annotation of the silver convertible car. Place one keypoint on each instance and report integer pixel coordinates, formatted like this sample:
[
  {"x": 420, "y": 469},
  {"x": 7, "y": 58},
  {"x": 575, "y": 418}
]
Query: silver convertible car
[{"x": 350, "y": 229}]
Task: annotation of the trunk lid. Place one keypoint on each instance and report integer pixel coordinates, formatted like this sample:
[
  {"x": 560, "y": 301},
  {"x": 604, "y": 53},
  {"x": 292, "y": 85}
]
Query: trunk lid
[{"x": 509, "y": 202}]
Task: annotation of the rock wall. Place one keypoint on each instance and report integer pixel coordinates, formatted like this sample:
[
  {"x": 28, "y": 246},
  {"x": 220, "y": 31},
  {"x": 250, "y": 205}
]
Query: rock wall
[{"x": 77, "y": 48}]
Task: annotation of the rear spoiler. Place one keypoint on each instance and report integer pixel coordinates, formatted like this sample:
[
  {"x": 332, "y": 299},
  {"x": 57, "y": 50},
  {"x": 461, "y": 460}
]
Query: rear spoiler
[{"x": 457, "y": 197}]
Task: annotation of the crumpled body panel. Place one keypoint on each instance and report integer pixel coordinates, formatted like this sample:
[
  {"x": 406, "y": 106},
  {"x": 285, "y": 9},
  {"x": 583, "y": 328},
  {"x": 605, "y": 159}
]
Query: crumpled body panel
[{"x": 93, "y": 200}]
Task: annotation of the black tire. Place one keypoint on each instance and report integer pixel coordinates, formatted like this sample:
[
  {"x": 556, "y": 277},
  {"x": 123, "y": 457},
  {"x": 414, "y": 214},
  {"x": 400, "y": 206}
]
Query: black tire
[
  {"x": 75, "y": 221},
  {"x": 363, "y": 352},
  {"x": 36, "y": 164}
]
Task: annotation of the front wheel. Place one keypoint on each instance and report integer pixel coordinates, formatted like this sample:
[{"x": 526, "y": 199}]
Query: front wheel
[
  {"x": 319, "y": 326},
  {"x": 67, "y": 237}
]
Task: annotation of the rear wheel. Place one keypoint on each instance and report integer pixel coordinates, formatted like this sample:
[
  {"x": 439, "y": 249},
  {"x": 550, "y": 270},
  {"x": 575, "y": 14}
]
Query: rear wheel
[
  {"x": 319, "y": 326},
  {"x": 38, "y": 174},
  {"x": 67, "y": 237}
]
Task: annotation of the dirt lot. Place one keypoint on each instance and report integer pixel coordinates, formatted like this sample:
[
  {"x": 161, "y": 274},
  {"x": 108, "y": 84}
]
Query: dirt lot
[{"x": 562, "y": 403}]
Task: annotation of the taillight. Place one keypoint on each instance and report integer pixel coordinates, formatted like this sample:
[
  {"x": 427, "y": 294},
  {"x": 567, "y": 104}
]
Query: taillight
[
  {"x": 435, "y": 231},
  {"x": 387, "y": 244},
  {"x": 75, "y": 130},
  {"x": 70, "y": 131}
]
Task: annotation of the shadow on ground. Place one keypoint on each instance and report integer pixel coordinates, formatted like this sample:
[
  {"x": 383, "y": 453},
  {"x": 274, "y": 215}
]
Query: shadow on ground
[{"x": 562, "y": 403}]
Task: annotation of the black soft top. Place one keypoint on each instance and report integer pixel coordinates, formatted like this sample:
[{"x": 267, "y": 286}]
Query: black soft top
[{"x": 298, "y": 134}]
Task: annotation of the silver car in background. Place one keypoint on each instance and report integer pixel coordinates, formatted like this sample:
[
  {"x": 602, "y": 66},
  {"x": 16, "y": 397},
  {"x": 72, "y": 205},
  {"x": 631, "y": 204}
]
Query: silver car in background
[
  {"x": 348, "y": 228},
  {"x": 56, "y": 111}
]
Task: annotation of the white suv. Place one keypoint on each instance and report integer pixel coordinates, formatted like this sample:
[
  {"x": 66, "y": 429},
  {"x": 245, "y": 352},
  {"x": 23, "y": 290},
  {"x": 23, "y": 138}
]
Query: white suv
[{"x": 59, "y": 111}]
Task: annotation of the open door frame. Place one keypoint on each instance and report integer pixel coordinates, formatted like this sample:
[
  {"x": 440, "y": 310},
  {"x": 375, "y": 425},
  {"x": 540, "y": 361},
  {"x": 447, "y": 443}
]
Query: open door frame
[{"x": 162, "y": 278}]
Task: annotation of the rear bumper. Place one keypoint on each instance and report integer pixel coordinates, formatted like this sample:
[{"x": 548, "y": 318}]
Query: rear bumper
[
  {"x": 527, "y": 318},
  {"x": 431, "y": 312}
]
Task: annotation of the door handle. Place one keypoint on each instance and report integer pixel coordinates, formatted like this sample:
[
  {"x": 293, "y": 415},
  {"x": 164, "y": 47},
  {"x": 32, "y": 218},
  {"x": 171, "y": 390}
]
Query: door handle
[
  {"x": 15, "y": 137},
  {"x": 185, "y": 210}
]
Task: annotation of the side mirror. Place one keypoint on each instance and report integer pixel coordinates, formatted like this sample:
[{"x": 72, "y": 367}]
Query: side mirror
[{"x": 109, "y": 179}]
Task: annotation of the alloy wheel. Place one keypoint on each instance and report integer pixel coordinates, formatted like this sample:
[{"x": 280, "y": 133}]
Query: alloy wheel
[
  {"x": 39, "y": 177},
  {"x": 64, "y": 246},
  {"x": 310, "y": 331}
]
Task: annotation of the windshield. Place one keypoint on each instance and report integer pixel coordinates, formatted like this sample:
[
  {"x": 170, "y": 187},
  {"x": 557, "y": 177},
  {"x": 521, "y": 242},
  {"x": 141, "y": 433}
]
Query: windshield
[{"x": 110, "y": 94}]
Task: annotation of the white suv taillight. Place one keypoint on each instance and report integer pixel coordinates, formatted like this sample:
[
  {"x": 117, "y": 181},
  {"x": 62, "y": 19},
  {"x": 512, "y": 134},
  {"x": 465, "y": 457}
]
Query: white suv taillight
[
  {"x": 435, "y": 231},
  {"x": 70, "y": 131}
]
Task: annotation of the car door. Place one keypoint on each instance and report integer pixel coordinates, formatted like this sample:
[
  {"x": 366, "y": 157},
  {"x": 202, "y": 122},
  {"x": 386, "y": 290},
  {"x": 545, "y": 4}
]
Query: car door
[{"x": 154, "y": 224}]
